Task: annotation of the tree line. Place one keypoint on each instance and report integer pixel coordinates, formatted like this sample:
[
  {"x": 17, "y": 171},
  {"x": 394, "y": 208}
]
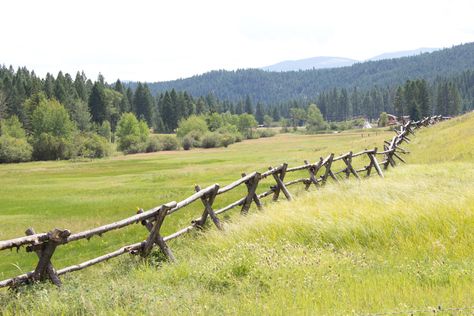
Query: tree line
[{"x": 274, "y": 87}]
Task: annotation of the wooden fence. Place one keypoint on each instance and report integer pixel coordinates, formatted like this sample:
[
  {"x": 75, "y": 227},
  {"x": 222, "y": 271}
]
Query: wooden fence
[{"x": 44, "y": 244}]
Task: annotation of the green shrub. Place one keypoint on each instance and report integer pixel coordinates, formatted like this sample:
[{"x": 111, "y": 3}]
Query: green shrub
[
  {"x": 196, "y": 138},
  {"x": 253, "y": 134},
  {"x": 53, "y": 132},
  {"x": 105, "y": 130},
  {"x": 267, "y": 133},
  {"x": 132, "y": 135},
  {"x": 154, "y": 144},
  {"x": 211, "y": 140},
  {"x": 169, "y": 142},
  {"x": 91, "y": 145},
  {"x": 50, "y": 147},
  {"x": 187, "y": 142},
  {"x": 14, "y": 149},
  {"x": 192, "y": 123},
  {"x": 227, "y": 139},
  {"x": 238, "y": 137}
]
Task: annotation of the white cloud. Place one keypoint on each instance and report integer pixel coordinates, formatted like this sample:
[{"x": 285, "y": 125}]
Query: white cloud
[{"x": 161, "y": 40}]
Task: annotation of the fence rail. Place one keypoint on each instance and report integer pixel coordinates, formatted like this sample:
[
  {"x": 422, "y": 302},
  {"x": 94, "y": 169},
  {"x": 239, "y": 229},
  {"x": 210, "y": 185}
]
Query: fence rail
[{"x": 45, "y": 244}]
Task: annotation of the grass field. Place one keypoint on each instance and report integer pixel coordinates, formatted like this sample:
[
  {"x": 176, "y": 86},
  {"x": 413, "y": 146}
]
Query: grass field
[
  {"x": 83, "y": 195},
  {"x": 400, "y": 243}
]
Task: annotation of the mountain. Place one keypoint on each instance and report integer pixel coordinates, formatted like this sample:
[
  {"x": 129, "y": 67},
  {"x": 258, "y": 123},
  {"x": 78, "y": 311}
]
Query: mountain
[
  {"x": 323, "y": 62},
  {"x": 404, "y": 53},
  {"x": 311, "y": 63},
  {"x": 275, "y": 87}
]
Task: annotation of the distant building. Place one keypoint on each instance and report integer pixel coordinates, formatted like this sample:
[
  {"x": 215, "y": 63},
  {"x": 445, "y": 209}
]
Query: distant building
[
  {"x": 367, "y": 125},
  {"x": 392, "y": 119}
]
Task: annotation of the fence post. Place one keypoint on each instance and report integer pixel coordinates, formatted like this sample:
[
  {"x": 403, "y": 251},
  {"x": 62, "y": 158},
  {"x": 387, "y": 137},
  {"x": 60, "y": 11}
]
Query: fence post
[
  {"x": 255, "y": 197},
  {"x": 313, "y": 171},
  {"x": 207, "y": 201},
  {"x": 55, "y": 237},
  {"x": 328, "y": 172},
  {"x": 49, "y": 267},
  {"x": 374, "y": 163},
  {"x": 252, "y": 187},
  {"x": 279, "y": 177},
  {"x": 348, "y": 161},
  {"x": 155, "y": 236}
]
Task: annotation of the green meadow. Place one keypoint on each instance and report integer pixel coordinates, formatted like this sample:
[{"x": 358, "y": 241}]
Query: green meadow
[{"x": 401, "y": 243}]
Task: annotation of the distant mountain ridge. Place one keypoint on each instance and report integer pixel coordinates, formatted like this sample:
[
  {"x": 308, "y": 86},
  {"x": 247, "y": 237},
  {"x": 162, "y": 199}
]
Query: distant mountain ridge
[
  {"x": 404, "y": 53},
  {"x": 276, "y": 87},
  {"x": 311, "y": 63},
  {"x": 323, "y": 62}
]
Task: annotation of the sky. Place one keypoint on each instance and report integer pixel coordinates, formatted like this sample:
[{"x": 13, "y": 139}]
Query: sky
[{"x": 153, "y": 41}]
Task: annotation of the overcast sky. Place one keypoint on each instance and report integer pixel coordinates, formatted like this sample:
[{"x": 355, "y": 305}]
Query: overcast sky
[{"x": 164, "y": 40}]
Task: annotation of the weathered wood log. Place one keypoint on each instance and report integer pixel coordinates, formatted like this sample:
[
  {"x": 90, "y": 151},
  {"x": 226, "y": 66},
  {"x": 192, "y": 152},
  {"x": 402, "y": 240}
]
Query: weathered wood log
[
  {"x": 83, "y": 265},
  {"x": 281, "y": 185},
  {"x": 327, "y": 164},
  {"x": 348, "y": 161},
  {"x": 179, "y": 233},
  {"x": 374, "y": 162},
  {"x": 362, "y": 169},
  {"x": 252, "y": 187},
  {"x": 401, "y": 159},
  {"x": 298, "y": 168},
  {"x": 207, "y": 201},
  {"x": 271, "y": 171},
  {"x": 155, "y": 237},
  {"x": 342, "y": 156},
  {"x": 255, "y": 196},
  {"x": 267, "y": 193},
  {"x": 145, "y": 222},
  {"x": 236, "y": 183},
  {"x": 230, "y": 206},
  {"x": 125, "y": 222},
  {"x": 51, "y": 272},
  {"x": 364, "y": 152},
  {"x": 27, "y": 240},
  {"x": 292, "y": 182},
  {"x": 55, "y": 237},
  {"x": 313, "y": 171},
  {"x": 192, "y": 198}
]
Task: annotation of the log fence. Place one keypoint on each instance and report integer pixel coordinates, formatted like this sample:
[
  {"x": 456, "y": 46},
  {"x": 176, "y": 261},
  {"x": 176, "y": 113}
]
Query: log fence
[{"x": 45, "y": 244}]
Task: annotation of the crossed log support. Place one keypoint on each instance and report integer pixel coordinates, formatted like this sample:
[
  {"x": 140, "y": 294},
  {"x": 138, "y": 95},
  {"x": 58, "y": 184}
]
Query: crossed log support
[
  {"x": 280, "y": 185},
  {"x": 45, "y": 269},
  {"x": 252, "y": 185},
  {"x": 155, "y": 236}
]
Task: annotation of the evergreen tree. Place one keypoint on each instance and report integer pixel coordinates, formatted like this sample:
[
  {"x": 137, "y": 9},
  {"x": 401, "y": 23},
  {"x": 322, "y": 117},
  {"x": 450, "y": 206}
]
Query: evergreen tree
[
  {"x": 423, "y": 99},
  {"x": 80, "y": 86},
  {"x": 398, "y": 104},
  {"x": 97, "y": 103},
  {"x": 259, "y": 113},
  {"x": 143, "y": 103},
  {"x": 248, "y": 105},
  {"x": 275, "y": 114}
]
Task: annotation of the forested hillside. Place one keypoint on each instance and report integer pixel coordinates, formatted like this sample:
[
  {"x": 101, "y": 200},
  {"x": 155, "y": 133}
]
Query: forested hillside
[
  {"x": 275, "y": 87},
  {"x": 441, "y": 82}
]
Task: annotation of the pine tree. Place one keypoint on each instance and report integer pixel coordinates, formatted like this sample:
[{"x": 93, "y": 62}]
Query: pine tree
[
  {"x": 80, "y": 86},
  {"x": 454, "y": 100},
  {"x": 259, "y": 113},
  {"x": 423, "y": 99},
  {"x": 97, "y": 104},
  {"x": 143, "y": 103},
  {"x": 398, "y": 102},
  {"x": 275, "y": 114},
  {"x": 248, "y": 105}
]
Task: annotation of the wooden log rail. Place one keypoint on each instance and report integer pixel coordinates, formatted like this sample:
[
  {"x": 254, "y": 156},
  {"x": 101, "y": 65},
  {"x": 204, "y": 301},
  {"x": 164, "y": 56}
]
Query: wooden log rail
[{"x": 319, "y": 172}]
